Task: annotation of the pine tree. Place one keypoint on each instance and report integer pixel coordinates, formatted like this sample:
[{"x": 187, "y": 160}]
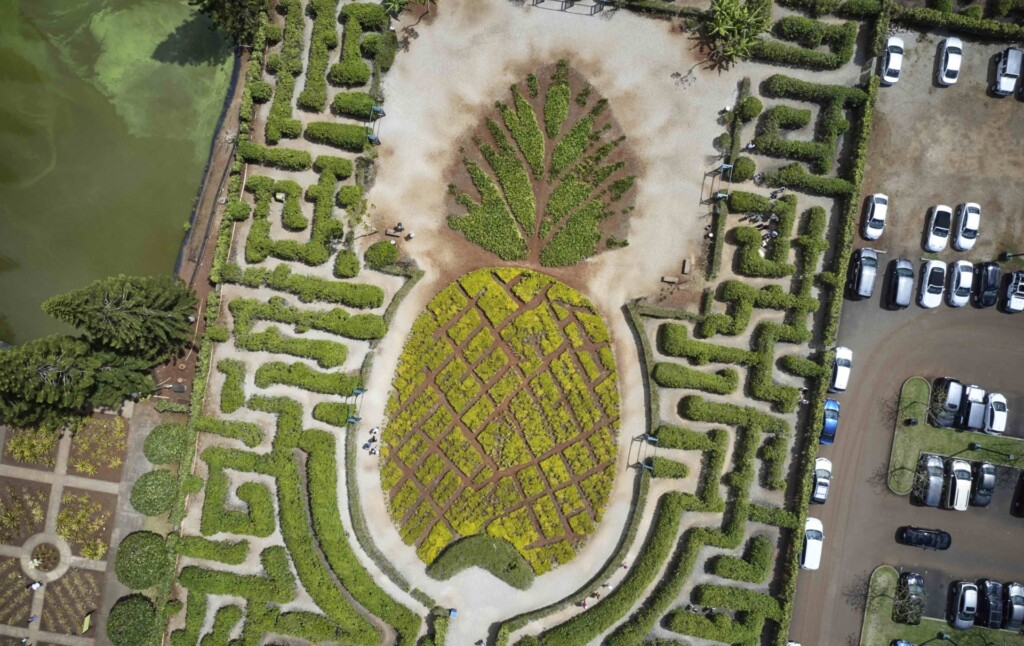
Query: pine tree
[
  {"x": 45, "y": 381},
  {"x": 145, "y": 317}
]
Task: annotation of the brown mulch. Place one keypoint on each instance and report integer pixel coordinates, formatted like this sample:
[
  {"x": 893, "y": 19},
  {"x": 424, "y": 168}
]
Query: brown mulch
[{"x": 69, "y": 599}]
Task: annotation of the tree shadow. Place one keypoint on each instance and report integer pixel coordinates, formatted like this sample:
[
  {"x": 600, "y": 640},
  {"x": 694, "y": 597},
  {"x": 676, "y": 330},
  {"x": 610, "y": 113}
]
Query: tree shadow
[{"x": 192, "y": 44}]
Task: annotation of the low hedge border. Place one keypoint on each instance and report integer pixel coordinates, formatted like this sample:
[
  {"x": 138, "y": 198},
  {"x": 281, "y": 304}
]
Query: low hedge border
[{"x": 495, "y": 555}]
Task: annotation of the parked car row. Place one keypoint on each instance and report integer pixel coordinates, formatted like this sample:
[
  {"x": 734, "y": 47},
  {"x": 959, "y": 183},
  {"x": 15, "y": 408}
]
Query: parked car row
[
  {"x": 954, "y": 484},
  {"x": 951, "y": 56},
  {"x": 987, "y": 603},
  {"x": 969, "y": 407},
  {"x": 960, "y": 282},
  {"x": 939, "y": 224}
]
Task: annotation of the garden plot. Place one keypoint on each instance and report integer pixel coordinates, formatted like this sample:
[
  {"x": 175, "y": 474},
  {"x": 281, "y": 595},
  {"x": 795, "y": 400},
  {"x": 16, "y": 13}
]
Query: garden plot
[{"x": 503, "y": 419}]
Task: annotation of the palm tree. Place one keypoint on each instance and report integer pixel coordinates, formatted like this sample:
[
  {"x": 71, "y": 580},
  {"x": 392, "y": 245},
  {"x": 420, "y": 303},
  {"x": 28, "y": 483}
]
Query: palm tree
[{"x": 734, "y": 26}]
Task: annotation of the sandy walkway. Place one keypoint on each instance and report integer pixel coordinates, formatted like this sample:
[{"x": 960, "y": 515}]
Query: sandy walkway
[{"x": 436, "y": 93}]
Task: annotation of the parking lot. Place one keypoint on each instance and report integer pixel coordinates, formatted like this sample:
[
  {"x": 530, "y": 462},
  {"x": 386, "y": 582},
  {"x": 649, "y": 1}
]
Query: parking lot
[{"x": 930, "y": 145}]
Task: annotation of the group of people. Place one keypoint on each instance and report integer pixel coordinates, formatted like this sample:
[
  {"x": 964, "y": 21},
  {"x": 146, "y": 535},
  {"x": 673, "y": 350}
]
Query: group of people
[{"x": 371, "y": 444}]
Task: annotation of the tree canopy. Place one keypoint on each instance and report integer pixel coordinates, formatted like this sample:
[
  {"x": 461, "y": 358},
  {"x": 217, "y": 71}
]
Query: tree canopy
[
  {"x": 144, "y": 317},
  {"x": 239, "y": 18},
  {"x": 733, "y": 26}
]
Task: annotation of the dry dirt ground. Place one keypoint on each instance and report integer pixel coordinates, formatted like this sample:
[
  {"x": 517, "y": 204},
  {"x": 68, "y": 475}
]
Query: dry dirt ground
[
  {"x": 933, "y": 145},
  {"x": 438, "y": 91}
]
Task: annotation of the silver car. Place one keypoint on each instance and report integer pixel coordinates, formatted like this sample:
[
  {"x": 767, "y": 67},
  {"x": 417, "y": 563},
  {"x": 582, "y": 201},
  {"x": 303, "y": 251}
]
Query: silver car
[
  {"x": 968, "y": 221},
  {"x": 1013, "y": 614},
  {"x": 932, "y": 284},
  {"x": 939, "y": 223},
  {"x": 874, "y": 216},
  {"x": 961, "y": 278},
  {"x": 822, "y": 479},
  {"x": 965, "y": 595}
]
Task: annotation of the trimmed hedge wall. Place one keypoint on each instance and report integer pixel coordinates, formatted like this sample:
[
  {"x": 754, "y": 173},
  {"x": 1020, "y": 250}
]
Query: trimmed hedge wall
[
  {"x": 674, "y": 375},
  {"x": 142, "y": 559},
  {"x": 307, "y": 288},
  {"x": 667, "y": 468},
  {"x": 323, "y": 39},
  {"x": 495, "y": 555},
  {"x": 358, "y": 105},
  {"x": 340, "y": 135}
]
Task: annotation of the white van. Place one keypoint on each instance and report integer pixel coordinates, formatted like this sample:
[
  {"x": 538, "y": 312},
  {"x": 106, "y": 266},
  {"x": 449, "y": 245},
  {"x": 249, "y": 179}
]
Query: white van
[
  {"x": 814, "y": 540},
  {"x": 958, "y": 485}
]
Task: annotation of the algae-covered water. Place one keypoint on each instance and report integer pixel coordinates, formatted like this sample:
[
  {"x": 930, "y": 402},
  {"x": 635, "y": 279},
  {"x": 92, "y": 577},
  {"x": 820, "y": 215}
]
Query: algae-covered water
[{"x": 107, "y": 109}]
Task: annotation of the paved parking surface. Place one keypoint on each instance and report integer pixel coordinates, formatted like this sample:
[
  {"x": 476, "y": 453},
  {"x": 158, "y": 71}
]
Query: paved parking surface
[{"x": 930, "y": 145}]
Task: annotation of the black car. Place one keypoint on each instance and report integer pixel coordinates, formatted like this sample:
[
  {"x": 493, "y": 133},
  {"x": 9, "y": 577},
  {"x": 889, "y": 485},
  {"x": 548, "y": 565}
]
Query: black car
[
  {"x": 910, "y": 594},
  {"x": 986, "y": 284},
  {"x": 929, "y": 539},
  {"x": 990, "y": 605},
  {"x": 984, "y": 483}
]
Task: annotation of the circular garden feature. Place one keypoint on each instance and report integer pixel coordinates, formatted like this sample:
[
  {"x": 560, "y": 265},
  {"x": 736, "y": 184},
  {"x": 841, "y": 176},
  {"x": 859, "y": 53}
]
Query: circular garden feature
[
  {"x": 45, "y": 557},
  {"x": 502, "y": 420}
]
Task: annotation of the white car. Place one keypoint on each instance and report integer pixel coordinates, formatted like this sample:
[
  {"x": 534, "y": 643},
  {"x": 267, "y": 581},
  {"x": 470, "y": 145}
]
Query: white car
[
  {"x": 968, "y": 221},
  {"x": 949, "y": 66},
  {"x": 822, "y": 479},
  {"x": 841, "y": 370},
  {"x": 939, "y": 222},
  {"x": 874, "y": 216},
  {"x": 814, "y": 540},
  {"x": 932, "y": 284},
  {"x": 1015, "y": 293},
  {"x": 958, "y": 485},
  {"x": 995, "y": 414},
  {"x": 892, "y": 64},
  {"x": 961, "y": 279}
]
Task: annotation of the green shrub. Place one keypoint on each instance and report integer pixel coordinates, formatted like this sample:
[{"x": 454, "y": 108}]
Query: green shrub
[
  {"x": 323, "y": 39},
  {"x": 349, "y": 195},
  {"x": 261, "y": 91},
  {"x": 217, "y": 333},
  {"x": 358, "y": 105},
  {"x": 334, "y": 413},
  {"x": 341, "y": 135},
  {"x": 802, "y": 367},
  {"x": 744, "y": 202},
  {"x": 666, "y": 468},
  {"x": 753, "y": 567},
  {"x": 232, "y": 553},
  {"x": 165, "y": 406},
  {"x": 132, "y": 621},
  {"x": 794, "y": 176},
  {"x": 273, "y": 33},
  {"x": 165, "y": 444},
  {"x": 307, "y": 288},
  {"x": 302, "y": 376},
  {"x": 154, "y": 492},
  {"x": 674, "y": 375},
  {"x": 743, "y": 169},
  {"x": 286, "y": 158},
  {"x": 369, "y": 15},
  {"x": 943, "y": 6},
  {"x": 371, "y": 45},
  {"x": 286, "y": 66},
  {"x": 495, "y": 555},
  {"x": 974, "y": 13},
  {"x": 142, "y": 560},
  {"x": 381, "y": 254},
  {"x": 346, "y": 264},
  {"x": 749, "y": 108},
  {"x": 277, "y": 586},
  {"x": 247, "y": 432},
  {"x": 351, "y": 70}
]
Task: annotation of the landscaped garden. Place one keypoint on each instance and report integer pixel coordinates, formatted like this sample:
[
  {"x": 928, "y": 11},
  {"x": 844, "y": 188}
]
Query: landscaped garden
[{"x": 503, "y": 419}]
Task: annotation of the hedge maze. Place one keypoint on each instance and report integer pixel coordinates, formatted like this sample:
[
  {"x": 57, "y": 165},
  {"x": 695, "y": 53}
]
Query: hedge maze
[
  {"x": 515, "y": 204},
  {"x": 261, "y": 548},
  {"x": 502, "y": 422}
]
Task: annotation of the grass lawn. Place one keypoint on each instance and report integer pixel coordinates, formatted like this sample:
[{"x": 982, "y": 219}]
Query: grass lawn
[
  {"x": 879, "y": 629},
  {"x": 909, "y": 442}
]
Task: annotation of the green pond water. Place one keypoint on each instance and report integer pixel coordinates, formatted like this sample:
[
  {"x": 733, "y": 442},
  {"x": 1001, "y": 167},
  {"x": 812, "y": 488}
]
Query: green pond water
[{"x": 107, "y": 109}]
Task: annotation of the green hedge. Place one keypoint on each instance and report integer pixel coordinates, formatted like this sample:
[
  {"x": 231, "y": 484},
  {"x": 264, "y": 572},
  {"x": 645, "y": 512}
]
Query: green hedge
[
  {"x": 307, "y": 288},
  {"x": 323, "y": 39},
  {"x": 808, "y": 34},
  {"x": 165, "y": 444},
  {"x": 257, "y": 520},
  {"x": 349, "y": 196},
  {"x": 346, "y": 264},
  {"x": 154, "y": 492},
  {"x": 302, "y": 376},
  {"x": 277, "y": 585},
  {"x": 353, "y": 104},
  {"x": 142, "y": 559},
  {"x": 341, "y": 135},
  {"x": 247, "y": 432},
  {"x": 960, "y": 24},
  {"x": 495, "y": 555},
  {"x": 369, "y": 15},
  {"x": 286, "y": 66},
  {"x": 743, "y": 169},
  {"x": 586, "y": 626},
  {"x": 351, "y": 70},
  {"x": 246, "y": 312},
  {"x": 286, "y": 158},
  {"x": 232, "y": 393},
  {"x": 674, "y": 375},
  {"x": 132, "y": 621},
  {"x": 748, "y": 108},
  {"x": 334, "y": 413},
  {"x": 381, "y": 254},
  {"x": 667, "y": 468},
  {"x": 753, "y": 567},
  {"x": 230, "y": 552}
]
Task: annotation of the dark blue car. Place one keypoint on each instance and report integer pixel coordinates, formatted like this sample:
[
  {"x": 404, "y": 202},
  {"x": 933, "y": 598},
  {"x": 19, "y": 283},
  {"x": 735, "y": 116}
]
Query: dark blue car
[{"x": 828, "y": 429}]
